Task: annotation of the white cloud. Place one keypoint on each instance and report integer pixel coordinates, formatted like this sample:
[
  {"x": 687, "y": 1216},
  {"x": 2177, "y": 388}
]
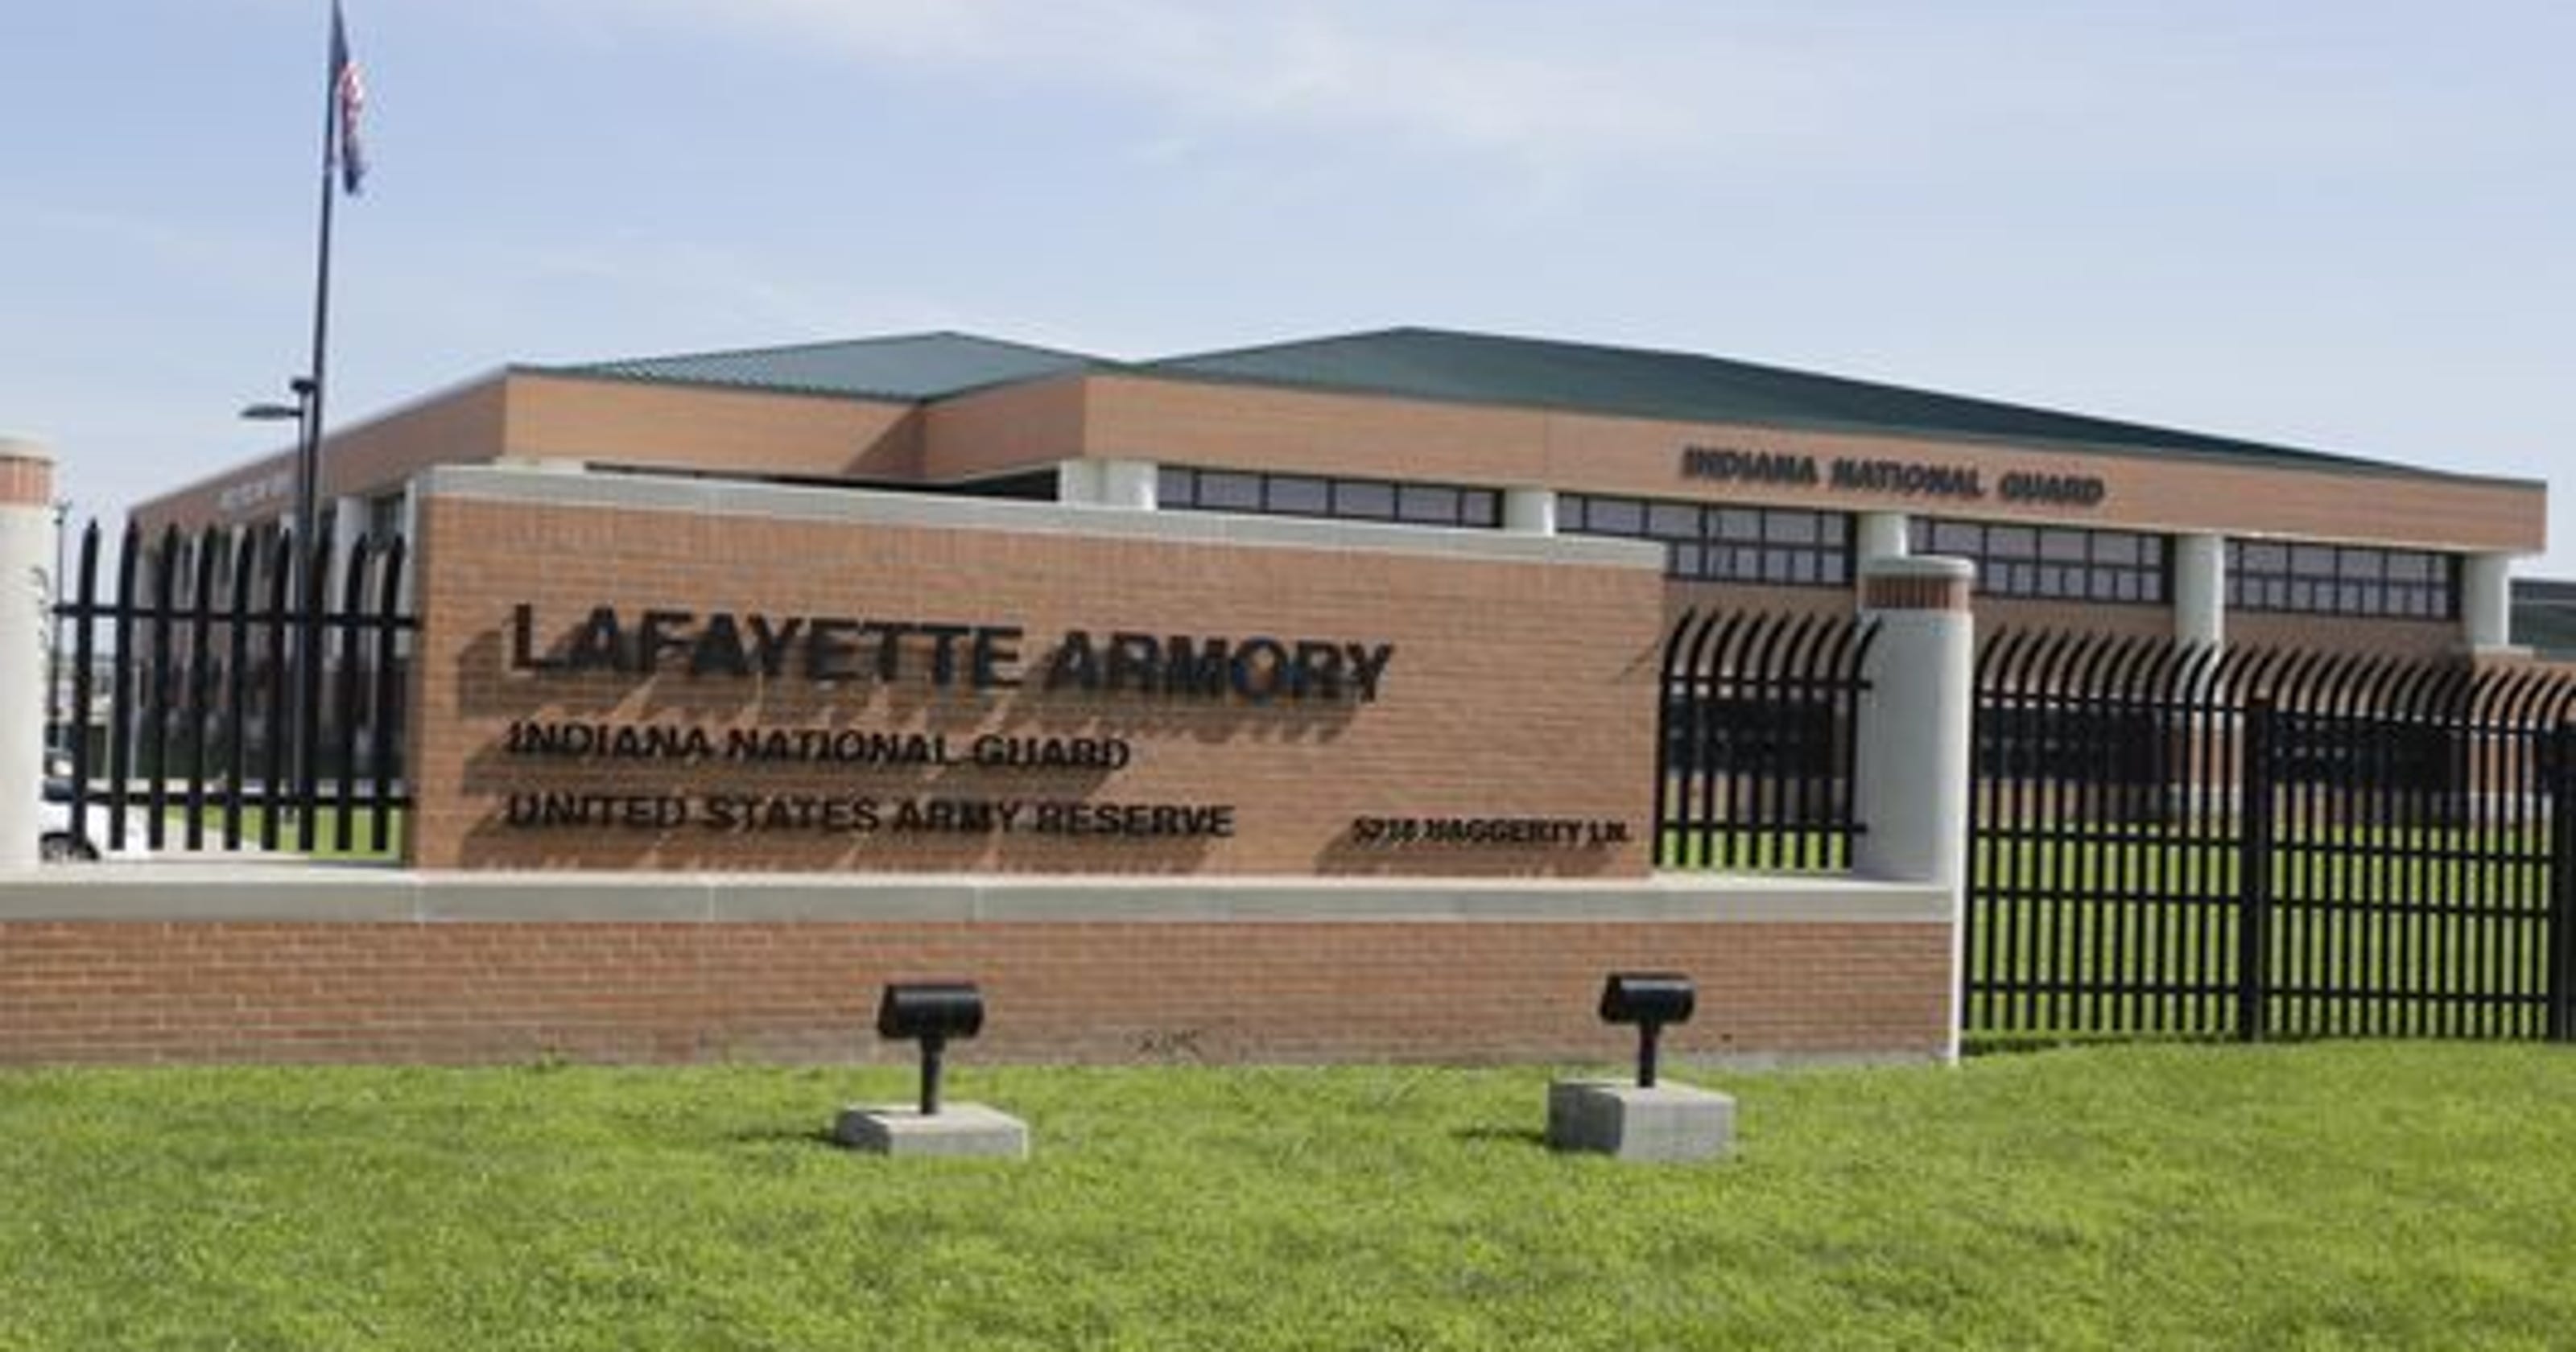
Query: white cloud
[
  {"x": 1548, "y": 85},
  {"x": 1760, "y": 87}
]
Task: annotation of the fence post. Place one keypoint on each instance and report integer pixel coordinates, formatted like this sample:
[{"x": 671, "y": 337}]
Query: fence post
[
  {"x": 1910, "y": 745},
  {"x": 26, "y": 589},
  {"x": 2254, "y": 778},
  {"x": 2562, "y": 883}
]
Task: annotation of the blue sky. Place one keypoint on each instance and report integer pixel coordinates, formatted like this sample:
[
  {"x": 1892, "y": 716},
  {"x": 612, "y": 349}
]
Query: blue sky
[{"x": 2344, "y": 226}]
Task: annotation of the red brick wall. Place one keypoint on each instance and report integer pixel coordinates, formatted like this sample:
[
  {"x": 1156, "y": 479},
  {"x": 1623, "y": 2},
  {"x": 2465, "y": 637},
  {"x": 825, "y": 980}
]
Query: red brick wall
[
  {"x": 1517, "y": 689},
  {"x": 94, "y": 992}
]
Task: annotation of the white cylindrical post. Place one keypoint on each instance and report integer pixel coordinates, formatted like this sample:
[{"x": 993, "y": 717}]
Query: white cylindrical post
[
  {"x": 26, "y": 589},
  {"x": 2486, "y": 600},
  {"x": 1133, "y": 484},
  {"x": 1882, "y": 535},
  {"x": 346, "y": 519},
  {"x": 1077, "y": 481},
  {"x": 1531, "y": 511},
  {"x": 1910, "y": 777},
  {"x": 2200, "y": 589}
]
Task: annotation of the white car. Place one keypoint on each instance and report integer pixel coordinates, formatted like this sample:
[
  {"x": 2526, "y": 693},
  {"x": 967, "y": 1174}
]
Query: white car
[{"x": 56, "y": 842}]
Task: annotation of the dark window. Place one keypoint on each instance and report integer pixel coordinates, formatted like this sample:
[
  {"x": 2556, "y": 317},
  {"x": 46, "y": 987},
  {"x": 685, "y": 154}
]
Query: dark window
[
  {"x": 1182, "y": 489},
  {"x": 2058, "y": 563},
  {"x": 1296, "y": 495},
  {"x": 1427, "y": 504},
  {"x": 1751, "y": 735},
  {"x": 2078, "y": 745},
  {"x": 1772, "y": 545},
  {"x": 384, "y": 519},
  {"x": 2324, "y": 749},
  {"x": 1227, "y": 492},
  {"x": 1364, "y": 499},
  {"x": 2356, "y": 580},
  {"x": 1037, "y": 486}
]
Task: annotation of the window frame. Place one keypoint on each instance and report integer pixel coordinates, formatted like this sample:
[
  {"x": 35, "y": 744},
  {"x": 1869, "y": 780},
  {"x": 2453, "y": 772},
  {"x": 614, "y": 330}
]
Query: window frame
[{"x": 1724, "y": 542}]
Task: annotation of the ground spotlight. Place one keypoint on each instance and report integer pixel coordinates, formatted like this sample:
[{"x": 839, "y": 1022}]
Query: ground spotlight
[
  {"x": 1649, "y": 1000},
  {"x": 930, "y": 1013}
]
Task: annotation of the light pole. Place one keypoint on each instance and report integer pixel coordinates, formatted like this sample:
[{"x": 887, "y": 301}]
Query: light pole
[
  {"x": 57, "y": 723},
  {"x": 302, "y": 572},
  {"x": 307, "y": 455}
]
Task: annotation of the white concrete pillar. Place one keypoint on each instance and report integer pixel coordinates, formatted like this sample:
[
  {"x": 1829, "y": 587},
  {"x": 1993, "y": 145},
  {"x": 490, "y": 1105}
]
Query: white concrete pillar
[
  {"x": 1530, "y": 511},
  {"x": 2200, "y": 589},
  {"x": 410, "y": 529},
  {"x": 1881, "y": 535},
  {"x": 348, "y": 520},
  {"x": 2486, "y": 600},
  {"x": 1133, "y": 484},
  {"x": 345, "y": 521},
  {"x": 1077, "y": 482},
  {"x": 26, "y": 588},
  {"x": 1912, "y": 749}
]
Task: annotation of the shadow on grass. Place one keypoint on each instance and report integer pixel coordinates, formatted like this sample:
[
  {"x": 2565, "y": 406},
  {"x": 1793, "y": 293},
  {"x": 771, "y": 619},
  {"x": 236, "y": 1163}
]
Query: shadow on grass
[
  {"x": 821, "y": 1136},
  {"x": 1527, "y": 1136},
  {"x": 2023, "y": 1044}
]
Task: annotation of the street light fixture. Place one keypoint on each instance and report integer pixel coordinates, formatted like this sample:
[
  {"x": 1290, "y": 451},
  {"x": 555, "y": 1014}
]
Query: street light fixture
[{"x": 308, "y": 497}]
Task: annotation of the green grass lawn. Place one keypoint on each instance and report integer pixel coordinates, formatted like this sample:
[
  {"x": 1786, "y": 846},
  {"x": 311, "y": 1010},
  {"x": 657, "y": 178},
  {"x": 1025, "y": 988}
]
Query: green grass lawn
[{"x": 2387, "y": 1195}]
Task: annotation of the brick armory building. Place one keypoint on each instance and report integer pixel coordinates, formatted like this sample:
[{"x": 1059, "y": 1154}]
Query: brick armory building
[
  {"x": 1766, "y": 487},
  {"x": 1439, "y": 533}
]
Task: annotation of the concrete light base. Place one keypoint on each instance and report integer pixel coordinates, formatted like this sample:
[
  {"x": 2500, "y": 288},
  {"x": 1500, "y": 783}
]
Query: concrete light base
[
  {"x": 1669, "y": 1123},
  {"x": 960, "y": 1130}
]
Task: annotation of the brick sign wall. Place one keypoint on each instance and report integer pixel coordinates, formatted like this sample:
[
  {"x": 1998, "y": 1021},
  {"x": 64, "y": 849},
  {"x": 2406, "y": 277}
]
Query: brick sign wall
[{"x": 622, "y": 674}]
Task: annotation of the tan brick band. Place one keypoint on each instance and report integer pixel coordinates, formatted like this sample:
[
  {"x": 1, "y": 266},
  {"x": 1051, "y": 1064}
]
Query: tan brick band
[
  {"x": 1929, "y": 583},
  {"x": 26, "y": 475},
  {"x": 96, "y": 992},
  {"x": 1915, "y": 593}
]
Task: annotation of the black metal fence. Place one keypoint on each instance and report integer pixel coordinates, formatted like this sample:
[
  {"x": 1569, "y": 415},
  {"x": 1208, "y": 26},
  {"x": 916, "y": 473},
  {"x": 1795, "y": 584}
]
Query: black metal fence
[
  {"x": 1754, "y": 759},
  {"x": 252, "y": 695},
  {"x": 2165, "y": 840}
]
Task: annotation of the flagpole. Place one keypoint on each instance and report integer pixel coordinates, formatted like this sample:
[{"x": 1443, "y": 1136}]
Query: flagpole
[
  {"x": 308, "y": 449},
  {"x": 308, "y": 466}
]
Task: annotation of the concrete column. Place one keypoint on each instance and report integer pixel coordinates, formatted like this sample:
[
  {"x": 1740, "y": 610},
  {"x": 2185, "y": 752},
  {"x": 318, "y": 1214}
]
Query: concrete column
[
  {"x": 410, "y": 529},
  {"x": 1531, "y": 511},
  {"x": 2200, "y": 589},
  {"x": 2486, "y": 600},
  {"x": 1129, "y": 483},
  {"x": 26, "y": 587},
  {"x": 1882, "y": 535},
  {"x": 1077, "y": 482},
  {"x": 1910, "y": 782},
  {"x": 345, "y": 520},
  {"x": 348, "y": 520}
]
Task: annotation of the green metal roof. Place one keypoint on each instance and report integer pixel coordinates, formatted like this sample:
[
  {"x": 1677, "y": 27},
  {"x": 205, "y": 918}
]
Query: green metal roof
[
  {"x": 910, "y": 367},
  {"x": 1483, "y": 368},
  {"x": 1435, "y": 364},
  {"x": 2544, "y": 618}
]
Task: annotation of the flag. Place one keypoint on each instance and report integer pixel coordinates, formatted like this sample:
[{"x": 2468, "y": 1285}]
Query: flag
[{"x": 348, "y": 97}]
